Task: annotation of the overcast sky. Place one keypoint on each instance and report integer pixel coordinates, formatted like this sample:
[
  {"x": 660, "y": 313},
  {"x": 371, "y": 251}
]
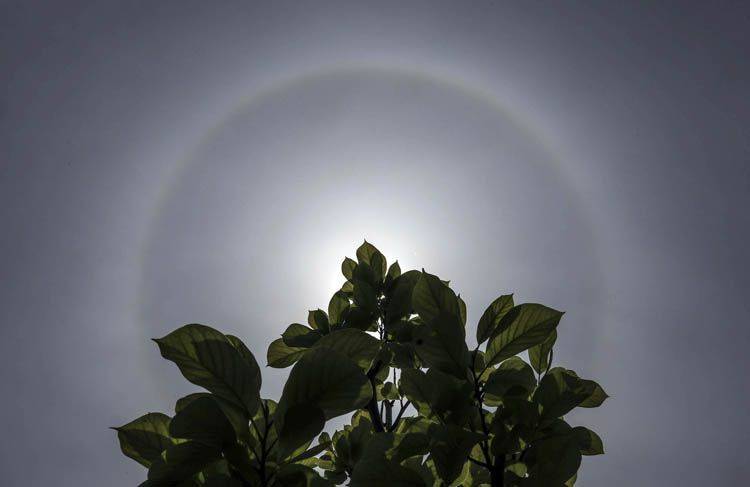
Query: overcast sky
[{"x": 172, "y": 162}]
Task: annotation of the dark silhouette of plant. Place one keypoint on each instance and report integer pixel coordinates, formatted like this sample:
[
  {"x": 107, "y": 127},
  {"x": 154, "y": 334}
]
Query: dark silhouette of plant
[{"x": 428, "y": 411}]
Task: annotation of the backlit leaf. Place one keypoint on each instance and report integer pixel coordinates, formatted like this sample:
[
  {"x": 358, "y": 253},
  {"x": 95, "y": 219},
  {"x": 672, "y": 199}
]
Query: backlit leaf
[
  {"x": 208, "y": 358},
  {"x": 360, "y": 347},
  {"x": 492, "y": 316},
  {"x": 539, "y": 355},
  {"x": 588, "y": 442},
  {"x": 431, "y": 297},
  {"x": 327, "y": 380},
  {"x": 145, "y": 438},
  {"x": 528, "y": 325}
]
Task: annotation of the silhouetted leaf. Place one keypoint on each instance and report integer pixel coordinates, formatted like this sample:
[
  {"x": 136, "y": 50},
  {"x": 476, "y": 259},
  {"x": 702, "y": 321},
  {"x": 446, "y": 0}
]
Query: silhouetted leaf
[
  {"x": 300, "y": 423},
  {"x": 366, "y": 251},
  {"x": 522, "y": 327},
  {"x": 347, "y": 267},
  {"x": 318, "y": 320},
  {"x": 596, "y": 398},
  {"x": 394, "y": 271},
  {"x": 513, "y": 377},
  {"x": 281, "y": 355},
  {"x": 441, "y": 344},
  {"x": 184, "y": 401},
  {"x": 431, "y": 297},
  {"x": 449, "y": 448},
  {"x": 436, "y": 393},
  {"x": 145, "y": 438},
  {"x": 337, "y": 308},
  {"x": 378, "y": 264},
  {"x": 236, "y": 416},
  {"x": 296, "y": 475},
  {"x": 539, "y": 355},
  {"x": 588, "y": 442},
  {"x": 461, "y": 310},
  {"x": 553, "y": 460},
  {"x": 400, "y": 297},
  {"x": 309, "y": 453},
  {"x": 561, "y": 390},
  {"x": 300, "y": 336},
  {"x": 361, "y": 319},
  {"x": 222, "y": 482},
  {"x": 360, "y": 347},
  {"x": 202, "y": 420},
  {"x": 181, "y": 461},
  {"x": 365, "y": 296},
  {"x": 326, "y": 379},
  {"x": 207, "y": 358},
  {"x": 492, "y": 316},
  {"x": 374, "y": 469}
]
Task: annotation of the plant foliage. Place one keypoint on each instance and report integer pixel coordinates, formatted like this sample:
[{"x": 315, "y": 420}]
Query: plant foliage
[{"x": 391, "y": 348}]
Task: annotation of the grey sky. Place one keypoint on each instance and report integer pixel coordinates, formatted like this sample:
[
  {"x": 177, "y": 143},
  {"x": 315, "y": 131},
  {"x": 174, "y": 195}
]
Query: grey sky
[{"x": 214, "y": 161}]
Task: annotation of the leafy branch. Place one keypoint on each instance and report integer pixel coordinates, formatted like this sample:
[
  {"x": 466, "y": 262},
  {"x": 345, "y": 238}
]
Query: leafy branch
[{"x": 390, "y": 350}]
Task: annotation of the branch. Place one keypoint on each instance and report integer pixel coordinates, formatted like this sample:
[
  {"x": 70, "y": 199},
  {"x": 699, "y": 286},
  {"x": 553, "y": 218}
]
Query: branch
[
  {"x": 372, "y": 406},
  {"x": 400, "y": 413},
  {"x": 479, "y": 462}
]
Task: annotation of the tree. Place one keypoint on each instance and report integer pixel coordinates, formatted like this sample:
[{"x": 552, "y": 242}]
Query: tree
[{"x": 391, "y": 348}]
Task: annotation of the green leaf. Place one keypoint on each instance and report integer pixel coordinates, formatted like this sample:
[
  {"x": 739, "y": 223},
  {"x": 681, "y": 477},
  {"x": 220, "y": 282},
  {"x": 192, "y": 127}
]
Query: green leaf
[
  {"x": 492, "y": 316},
  {"x": 450, "y": 447},
  {"x": 181, "y": 461},
  {"x": 243, "y": 462},
  {"x": 437, "y": 394},
  {"x": 394, "y": 271},
  {"x": 432, "y": 297},
  {"x": 183, "y": 402},
  {"x": 378, "y": 264},
  {"x": 400, "y": 297},
  {"x": 208, "y": 358},
  {"x": 561, "y": 390},
  {"x": 263, "y": 426},
  {"x": 300, "y": 336},
  {"x": 361, "y": 319},
  {"x": 364, "y": 272},
  {"x": 236, "y": 416},
  {"x": 513, "y": 377},
  {"x": 358, "y": 346},
  {"x": 442, "y": 344},
  {"x": 388, "y": 391},
  {"x": 311, "y": 452},
  {"x": 337, "y": 308},
  {"x": 588, "y": 442},
  {"x": 318, "y": 320},
  {"x": 347, "y": 267},
  {"x": 203, "y": 420},
  {"x": 596, "y": 398},
  {"x": 540, "y": 355},
  {"x": 366, "y": 251},
  {"x": 461, "y": 310},
  {"x": 553, "y": 460},
  {"x": 403, "y": 355},
  {"x": 145, "y": 438},
  {"x": 365, "y": 296},
  {"x": 374, "y": 469},
  {"x": 522, "y": 327},
  {"x": 326, "y": 379},
  {"x": 301, "y": 422},
  {"x": 426, "y": 470},
  {"x": 296, "y": 475},
  {"x": 281, "y": 355},
  {"x": 504, "y": 438},
  {"x": 222, "y": 481}
]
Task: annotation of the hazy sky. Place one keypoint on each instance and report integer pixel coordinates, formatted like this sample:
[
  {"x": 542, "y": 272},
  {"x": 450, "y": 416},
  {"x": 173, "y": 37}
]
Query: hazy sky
[{"x": 172, "y": 162}]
